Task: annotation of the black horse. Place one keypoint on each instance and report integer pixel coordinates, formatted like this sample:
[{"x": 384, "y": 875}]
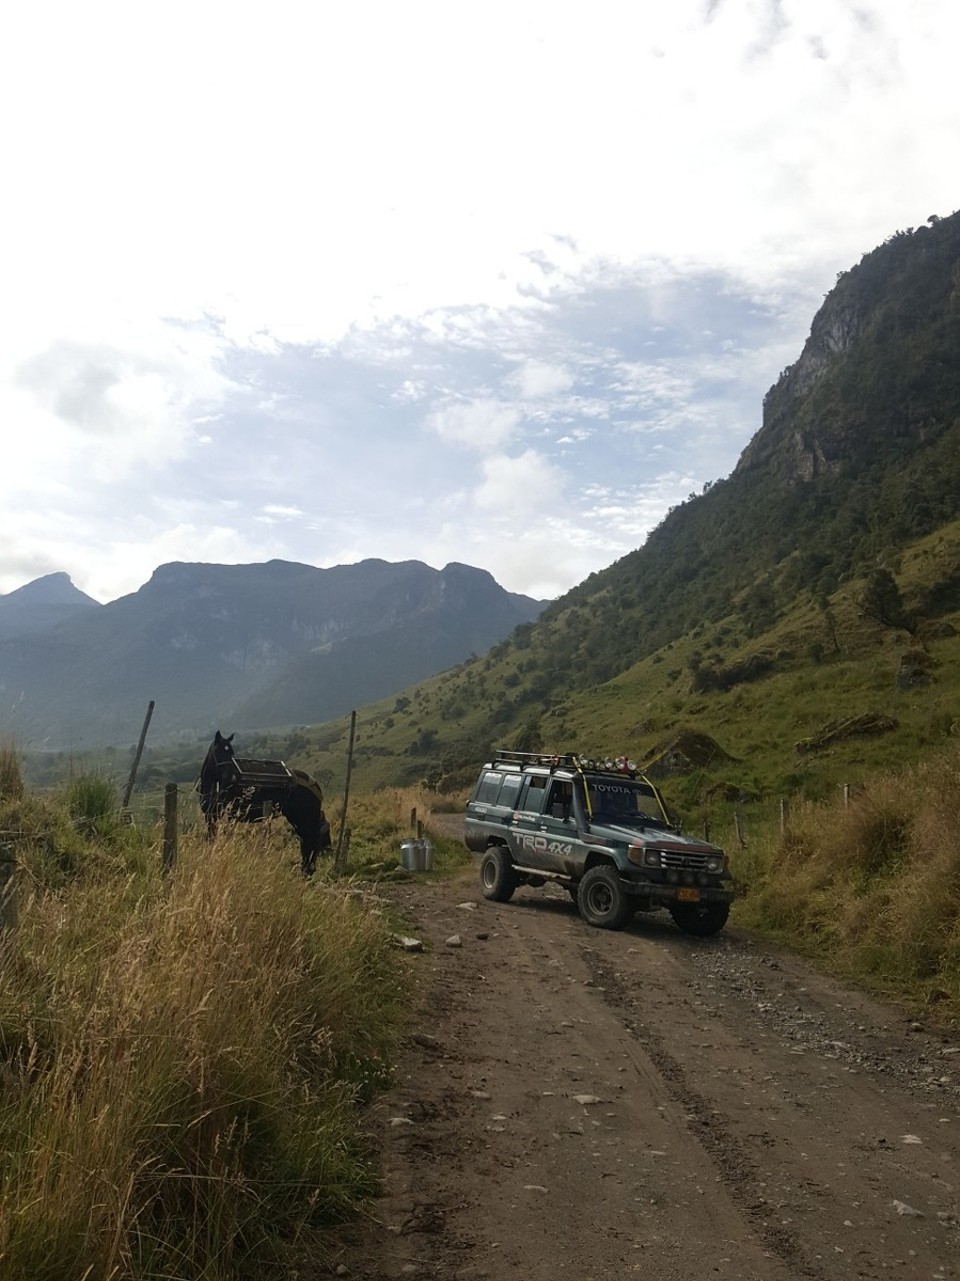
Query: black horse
[{"x": 248, "y": 790}]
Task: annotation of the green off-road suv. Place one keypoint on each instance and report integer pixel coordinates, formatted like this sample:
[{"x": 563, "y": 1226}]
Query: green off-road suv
[{"x": 602, "y": 831}]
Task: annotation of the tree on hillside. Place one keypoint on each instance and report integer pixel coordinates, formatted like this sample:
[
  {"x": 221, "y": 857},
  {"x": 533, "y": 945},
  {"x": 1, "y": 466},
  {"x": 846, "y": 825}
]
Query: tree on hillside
[
  {"x": 829, "y": 621},
  {"x": 529, "y": 737},
  {"x": 881, "y": 601}
]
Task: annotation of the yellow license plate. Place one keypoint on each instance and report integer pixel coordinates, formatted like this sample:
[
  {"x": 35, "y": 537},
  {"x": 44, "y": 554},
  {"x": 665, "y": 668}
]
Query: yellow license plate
[{"x": 685, "y": 895}]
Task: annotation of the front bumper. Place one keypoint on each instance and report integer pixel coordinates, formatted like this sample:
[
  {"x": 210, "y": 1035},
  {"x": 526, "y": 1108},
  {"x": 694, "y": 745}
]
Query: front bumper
[{"x": 658, "y": 892}]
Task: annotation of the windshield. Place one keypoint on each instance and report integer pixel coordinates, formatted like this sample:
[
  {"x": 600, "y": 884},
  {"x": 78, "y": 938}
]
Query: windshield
[{"x": 614, "y": 800}]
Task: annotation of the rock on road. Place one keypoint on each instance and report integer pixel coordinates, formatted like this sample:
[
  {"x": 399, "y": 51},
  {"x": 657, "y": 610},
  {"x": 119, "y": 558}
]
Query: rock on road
[{"x": 584, "y": 1103}]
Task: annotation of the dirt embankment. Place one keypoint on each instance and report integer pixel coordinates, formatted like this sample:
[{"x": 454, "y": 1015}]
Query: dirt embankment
[{"x": 573, "y": 1102}]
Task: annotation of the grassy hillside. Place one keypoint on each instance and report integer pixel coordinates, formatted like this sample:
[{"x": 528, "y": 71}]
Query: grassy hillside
[{"x": 755, "y": 693}]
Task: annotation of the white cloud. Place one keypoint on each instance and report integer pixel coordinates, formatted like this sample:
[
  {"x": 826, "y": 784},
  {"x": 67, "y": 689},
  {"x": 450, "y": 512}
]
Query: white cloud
[
  {"x": 480, "y": 424},
  {"x": 263, "y": 262},
  {"x": 104, "y": 409},
  {"x": 537, "y": 380},
  {"x": 521, "y": 488},
  {"x": 286, "y": 513}
]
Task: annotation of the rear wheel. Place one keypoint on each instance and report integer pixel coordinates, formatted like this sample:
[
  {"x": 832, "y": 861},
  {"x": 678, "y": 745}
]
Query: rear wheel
[
  {"x": 603, "y": 901},
  {"x": 700, "y": 919},
  {"x": 498, "y": 876}
]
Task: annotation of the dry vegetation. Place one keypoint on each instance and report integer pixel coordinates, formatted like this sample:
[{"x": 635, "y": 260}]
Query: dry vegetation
[
  {"x": 870, "y": 886},
  {"x": 183, "y": 1061}
]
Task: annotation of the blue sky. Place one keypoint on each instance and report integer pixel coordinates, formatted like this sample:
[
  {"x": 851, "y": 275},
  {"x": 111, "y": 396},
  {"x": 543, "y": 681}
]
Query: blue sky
[{"x": 494, "y": 283}]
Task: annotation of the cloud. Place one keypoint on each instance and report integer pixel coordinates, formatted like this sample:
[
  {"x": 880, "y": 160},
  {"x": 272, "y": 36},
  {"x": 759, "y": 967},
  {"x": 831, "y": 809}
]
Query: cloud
[
  {"x": 275, "y": 510},
  {"x": 519, "y": 487},
  {"x": 368, "y": 446},
  {"x": 108, "y": 408},
  {"x": 274, "y": 323},
  {"x": 479, "y": 424},
  {"x": 537, "y": 380}
]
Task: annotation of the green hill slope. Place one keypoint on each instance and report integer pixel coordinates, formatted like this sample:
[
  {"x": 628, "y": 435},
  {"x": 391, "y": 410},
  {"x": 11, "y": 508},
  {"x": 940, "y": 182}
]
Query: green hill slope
[{"x": 740, "y": 616}]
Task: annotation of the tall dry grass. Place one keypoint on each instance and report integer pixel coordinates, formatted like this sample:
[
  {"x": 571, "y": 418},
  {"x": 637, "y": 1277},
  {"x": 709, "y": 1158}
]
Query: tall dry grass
[
  {"x": 873, "y": 885},
  {"x": 181, "y": 1063},
  {"x": 11, "y": 778}
]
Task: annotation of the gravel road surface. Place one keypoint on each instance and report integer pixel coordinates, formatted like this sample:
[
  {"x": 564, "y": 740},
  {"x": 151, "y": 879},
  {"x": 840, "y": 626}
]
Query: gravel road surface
[{"x": 583, "y": 1103}]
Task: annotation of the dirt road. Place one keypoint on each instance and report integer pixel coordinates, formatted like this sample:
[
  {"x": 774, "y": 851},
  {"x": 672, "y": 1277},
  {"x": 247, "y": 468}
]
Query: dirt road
[{"x": 575, "y": 1102}]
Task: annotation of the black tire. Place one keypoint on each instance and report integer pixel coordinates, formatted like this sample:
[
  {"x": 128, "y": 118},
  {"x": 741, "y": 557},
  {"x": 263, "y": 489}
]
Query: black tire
[
  {"x": 602, "y": 900},
  {"x": 700, "y": 919},
  {"x": 498, "y": 877}
]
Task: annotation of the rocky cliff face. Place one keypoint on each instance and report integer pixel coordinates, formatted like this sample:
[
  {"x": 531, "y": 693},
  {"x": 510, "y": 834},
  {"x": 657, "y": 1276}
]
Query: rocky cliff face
[{"x": 879, "y": 366}]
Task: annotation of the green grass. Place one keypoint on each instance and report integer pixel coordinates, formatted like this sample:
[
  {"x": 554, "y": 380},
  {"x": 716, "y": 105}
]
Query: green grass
[
  {"x": 821, "y": 670},
  {"x": 870, "y": 884},
  {"x": 184, "y": 1060}
]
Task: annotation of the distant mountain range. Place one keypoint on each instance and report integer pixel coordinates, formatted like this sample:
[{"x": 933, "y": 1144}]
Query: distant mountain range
[
  {"x": 41, "y": 606},
  {"x": 242, "y": 646}
]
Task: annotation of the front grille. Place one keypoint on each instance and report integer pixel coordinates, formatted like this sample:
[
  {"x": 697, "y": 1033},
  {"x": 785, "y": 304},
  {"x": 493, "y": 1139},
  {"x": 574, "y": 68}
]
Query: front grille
[{"x": 694, "y": 862}]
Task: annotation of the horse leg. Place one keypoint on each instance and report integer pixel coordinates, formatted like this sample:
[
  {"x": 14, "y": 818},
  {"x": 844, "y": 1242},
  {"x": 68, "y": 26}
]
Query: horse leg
[
  {"x": 208, "y": 808},
  {"x": 308, "y": 856}
]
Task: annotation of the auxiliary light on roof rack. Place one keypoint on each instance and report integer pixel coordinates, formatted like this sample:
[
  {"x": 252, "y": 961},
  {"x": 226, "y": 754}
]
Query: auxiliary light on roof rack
[{"x": 572, "y": 760}]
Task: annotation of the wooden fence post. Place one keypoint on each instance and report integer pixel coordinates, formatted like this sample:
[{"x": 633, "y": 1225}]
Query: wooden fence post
[
  {"x": 783, "y": 815},
  {"x": 413, "y": 819},
  {"x": 738, "y": 824},
  {"x": 340, "y": 859},
  {"x": 8, "y": 886},
  {"x": 706, "y": 829},
  {"x": 169, "y": 827},
  {"x": 128, "y": 791},
  {"x": 846, "y": 795}
]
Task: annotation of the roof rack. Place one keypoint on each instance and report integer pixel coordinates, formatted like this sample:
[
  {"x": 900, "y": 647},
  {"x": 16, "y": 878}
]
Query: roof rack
[
  {"x": 535, "y": 758},
  {"x": 570, "y": 760}
]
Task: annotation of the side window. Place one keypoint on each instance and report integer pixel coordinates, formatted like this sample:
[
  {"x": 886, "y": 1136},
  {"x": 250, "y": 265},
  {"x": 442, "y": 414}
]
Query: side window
[
  {"x": 531, "y": 797},
  {"x": 560, "y": 799},
  {"x": 510, "y": 790},
  {"x": 489, "y": 788}
]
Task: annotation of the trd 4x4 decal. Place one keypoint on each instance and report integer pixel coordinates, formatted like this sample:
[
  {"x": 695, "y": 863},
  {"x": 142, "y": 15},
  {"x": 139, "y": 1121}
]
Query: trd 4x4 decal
[{"x": 541, "y": 845}]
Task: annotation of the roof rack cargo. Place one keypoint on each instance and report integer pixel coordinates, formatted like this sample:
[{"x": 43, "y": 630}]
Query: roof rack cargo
[
  {"x": 570, "y": 760},
  {"x": 534, "y": 758}
]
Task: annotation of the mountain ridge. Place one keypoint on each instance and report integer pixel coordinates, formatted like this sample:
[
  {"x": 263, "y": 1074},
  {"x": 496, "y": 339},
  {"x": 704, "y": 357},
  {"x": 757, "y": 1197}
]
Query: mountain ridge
[
  {"x": 203, "y": 640},
  {"x": 41, "y": 604}
]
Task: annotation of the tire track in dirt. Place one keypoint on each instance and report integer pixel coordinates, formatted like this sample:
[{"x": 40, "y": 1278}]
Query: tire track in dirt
[
  {"x": 735, "y": 1168},
  {"x": 609, "y": 1104}
]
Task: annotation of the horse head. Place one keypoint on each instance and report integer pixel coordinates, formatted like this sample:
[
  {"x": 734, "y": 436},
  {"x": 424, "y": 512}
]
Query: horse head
[{"x": 218, "y": 753}]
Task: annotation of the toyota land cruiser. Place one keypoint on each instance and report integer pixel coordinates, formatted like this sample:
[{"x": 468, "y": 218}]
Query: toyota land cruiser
[{"x": 601, "y": 830}]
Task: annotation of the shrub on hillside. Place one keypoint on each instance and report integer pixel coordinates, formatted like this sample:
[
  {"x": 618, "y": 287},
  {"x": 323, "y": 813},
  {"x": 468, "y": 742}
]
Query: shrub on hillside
[{"x": 874, "y": 882}]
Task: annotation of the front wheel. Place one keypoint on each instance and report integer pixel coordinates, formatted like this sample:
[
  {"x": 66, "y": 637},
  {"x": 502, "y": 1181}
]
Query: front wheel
[
  {"x": 700, "y": 919},
  {"x": 602, "y": 899},
  {"x": 498, "y": 876}
]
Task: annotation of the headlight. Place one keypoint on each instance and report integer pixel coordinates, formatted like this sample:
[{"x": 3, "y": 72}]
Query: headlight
[
  {"x": 643, "y": 857},
  {"x": 715, "y": 863}
]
